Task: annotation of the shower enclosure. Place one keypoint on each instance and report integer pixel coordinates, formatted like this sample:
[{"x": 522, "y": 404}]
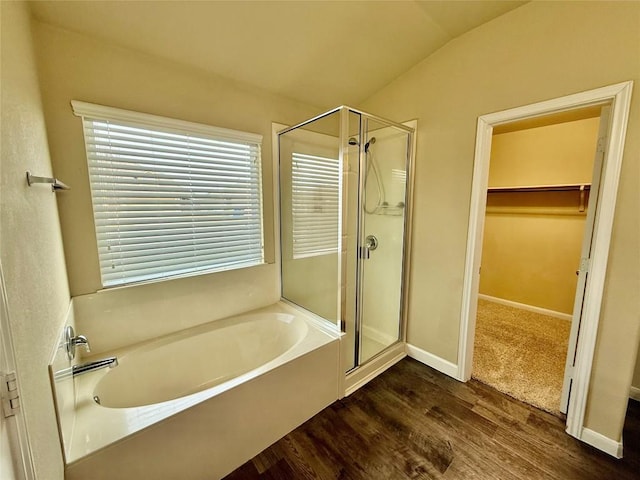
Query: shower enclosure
[{"x": 345, "y": 193}]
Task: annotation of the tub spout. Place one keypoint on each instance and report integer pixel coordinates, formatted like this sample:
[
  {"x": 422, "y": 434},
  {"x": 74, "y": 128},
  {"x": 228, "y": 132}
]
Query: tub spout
[{"x": 97, "y": 365}]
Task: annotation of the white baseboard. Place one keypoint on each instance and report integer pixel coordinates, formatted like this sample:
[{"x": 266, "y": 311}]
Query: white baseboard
[
  {"x": 524, "y": 306},
  {"x": 602, "y": 443},
  {"x": 634, "y": 393},
  {"x": 433, "y": 361}
]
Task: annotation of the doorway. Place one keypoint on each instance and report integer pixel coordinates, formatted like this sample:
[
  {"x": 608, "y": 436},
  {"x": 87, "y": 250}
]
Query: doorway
[
  {"x": 542, "y": 184},
  {"x": 594, "y": 268}
]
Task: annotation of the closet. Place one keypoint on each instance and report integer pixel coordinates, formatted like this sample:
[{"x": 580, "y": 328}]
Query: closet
[{"x": 537, "y": 203}]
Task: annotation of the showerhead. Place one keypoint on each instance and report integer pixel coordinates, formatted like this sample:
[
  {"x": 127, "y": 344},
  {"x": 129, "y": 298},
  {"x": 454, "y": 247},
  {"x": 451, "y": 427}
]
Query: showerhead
[
  {"x": 354, "y": 141},
  {"x": 371, "y": 141}
]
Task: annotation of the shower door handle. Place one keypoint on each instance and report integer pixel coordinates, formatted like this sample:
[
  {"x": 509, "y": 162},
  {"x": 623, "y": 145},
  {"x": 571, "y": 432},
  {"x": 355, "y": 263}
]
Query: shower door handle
[{"x": 371, "y": 242}]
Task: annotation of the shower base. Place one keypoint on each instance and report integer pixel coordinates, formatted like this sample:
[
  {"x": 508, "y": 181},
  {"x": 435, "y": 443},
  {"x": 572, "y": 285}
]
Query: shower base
[{"x": 374, "y": 367}]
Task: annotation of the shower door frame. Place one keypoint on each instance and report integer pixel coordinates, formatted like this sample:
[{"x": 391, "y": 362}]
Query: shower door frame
[{"x": 364, "y": 117}]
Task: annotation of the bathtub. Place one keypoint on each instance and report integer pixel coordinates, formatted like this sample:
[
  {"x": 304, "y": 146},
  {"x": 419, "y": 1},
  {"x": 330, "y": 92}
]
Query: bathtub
[{"x": 199, "y": 403}]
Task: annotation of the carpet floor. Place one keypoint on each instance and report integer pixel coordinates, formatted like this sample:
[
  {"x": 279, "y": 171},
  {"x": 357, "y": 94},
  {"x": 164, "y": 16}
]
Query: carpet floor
[{"x": 521, "y": 353}]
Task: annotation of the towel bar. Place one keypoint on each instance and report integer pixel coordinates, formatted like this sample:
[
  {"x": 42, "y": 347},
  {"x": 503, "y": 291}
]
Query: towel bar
[{"x": 54, "y": 182}]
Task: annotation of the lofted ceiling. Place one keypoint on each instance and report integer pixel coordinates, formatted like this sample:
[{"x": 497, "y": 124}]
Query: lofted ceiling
[{"x": 323, "y": 53}]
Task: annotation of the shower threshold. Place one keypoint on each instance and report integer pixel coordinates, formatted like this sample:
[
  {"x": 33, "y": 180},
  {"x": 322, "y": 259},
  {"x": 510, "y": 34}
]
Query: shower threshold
[{"x": 373, "y": 367}]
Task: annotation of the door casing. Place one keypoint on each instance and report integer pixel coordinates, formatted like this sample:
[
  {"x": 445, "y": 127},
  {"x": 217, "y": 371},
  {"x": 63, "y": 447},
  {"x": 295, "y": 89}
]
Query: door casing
[
  {"x": 585, "y": 256},
  {"x": 13, "y": 429}
]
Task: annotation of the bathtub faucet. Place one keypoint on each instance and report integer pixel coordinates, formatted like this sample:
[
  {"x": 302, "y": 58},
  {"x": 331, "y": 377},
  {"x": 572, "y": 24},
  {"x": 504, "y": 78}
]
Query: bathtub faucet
[{"x": 97, "y": 365}]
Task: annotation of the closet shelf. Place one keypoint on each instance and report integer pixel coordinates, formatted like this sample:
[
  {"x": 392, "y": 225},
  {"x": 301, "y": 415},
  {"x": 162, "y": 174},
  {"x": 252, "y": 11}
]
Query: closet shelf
[
  {"x": 582, "y": 188},
  {"x": 567, "y": 187}
]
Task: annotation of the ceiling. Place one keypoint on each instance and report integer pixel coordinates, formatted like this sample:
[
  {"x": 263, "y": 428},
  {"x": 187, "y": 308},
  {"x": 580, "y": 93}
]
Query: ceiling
[{"x": 323, "y": 53}]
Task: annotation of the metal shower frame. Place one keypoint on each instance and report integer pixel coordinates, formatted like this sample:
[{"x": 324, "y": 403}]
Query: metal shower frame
[{"x": 365, "y": 117}]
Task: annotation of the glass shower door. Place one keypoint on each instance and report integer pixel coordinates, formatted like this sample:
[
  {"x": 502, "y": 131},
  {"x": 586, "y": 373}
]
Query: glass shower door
[{"x": 382, "y": 225}]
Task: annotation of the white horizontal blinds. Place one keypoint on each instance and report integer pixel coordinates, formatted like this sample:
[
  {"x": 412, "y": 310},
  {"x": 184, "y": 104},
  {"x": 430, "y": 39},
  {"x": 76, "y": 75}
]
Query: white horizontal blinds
[
  {"x": 170, "y": 202},
  {"x": 315, "y": 204}
]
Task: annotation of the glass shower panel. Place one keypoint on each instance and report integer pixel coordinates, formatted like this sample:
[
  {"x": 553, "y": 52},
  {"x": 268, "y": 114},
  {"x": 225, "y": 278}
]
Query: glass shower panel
[
  {"x": 310, "y": 187},
  {"x": 382, "y": 237}
]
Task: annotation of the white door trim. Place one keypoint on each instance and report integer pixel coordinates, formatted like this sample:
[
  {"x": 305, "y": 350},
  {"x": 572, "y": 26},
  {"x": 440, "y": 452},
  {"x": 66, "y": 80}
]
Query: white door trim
[
  {"x": 18, "y": 435},
  {"x": 585, "y": 256},
  {"x": 619, "y": 95}
]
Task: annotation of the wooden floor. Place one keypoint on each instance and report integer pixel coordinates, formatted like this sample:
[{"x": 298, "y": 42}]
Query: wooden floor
[{"x": 413, "y": 422}]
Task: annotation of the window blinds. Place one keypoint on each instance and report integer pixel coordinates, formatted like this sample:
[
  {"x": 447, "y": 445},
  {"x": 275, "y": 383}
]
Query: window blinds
[
  {"x": 171, "y": 198},
  {"x": 315, "y": 203}
]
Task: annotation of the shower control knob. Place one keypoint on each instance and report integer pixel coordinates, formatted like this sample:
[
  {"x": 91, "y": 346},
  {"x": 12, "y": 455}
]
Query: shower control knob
[{"x": 371, "y": 242}]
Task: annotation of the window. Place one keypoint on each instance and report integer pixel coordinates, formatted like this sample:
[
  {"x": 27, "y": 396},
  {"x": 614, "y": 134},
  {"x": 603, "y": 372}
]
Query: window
[
  {"x": 170, "y": 197},
  {"x": 315, "y": 198}
]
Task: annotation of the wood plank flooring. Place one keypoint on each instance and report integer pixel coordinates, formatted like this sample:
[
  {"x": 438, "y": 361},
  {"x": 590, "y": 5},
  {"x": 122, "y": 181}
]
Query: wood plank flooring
[{"x": 413, "y": 422}]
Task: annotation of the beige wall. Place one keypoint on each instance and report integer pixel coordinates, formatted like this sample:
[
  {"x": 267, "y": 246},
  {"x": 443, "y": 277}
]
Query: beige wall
[
  {"x": 539, "y": 51},
  {"x": 78, "y": 67},
  {"x": 533, "y": 240},
  {"x": 532, "y": 258},
  {"x": 548, "y": 155},
  {"x": 30, "y": 242}
]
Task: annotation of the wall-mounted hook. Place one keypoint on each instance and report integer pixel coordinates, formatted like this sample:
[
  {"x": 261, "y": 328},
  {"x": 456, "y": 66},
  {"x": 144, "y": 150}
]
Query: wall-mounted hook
[{"x": 54, "y": 182}]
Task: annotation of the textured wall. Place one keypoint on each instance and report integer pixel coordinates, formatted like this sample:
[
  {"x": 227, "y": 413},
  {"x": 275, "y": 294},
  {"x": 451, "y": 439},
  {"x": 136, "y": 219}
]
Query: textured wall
[
  {"x": 30, "y": 241},
  {"x": 539, "y": 51}
]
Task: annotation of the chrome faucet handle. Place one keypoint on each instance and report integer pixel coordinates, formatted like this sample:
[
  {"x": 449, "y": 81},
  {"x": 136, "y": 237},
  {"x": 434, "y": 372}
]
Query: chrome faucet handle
[
  {"x": 82, "y": 340},
  {"x": 71, "y": 341}
]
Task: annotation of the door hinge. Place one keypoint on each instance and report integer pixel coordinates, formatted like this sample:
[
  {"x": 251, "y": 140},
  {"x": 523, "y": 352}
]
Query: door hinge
[
  {"x": 10, "y": 396},
  {"x": 585, "y": 265},
  {"x": 602, "y": 145}
]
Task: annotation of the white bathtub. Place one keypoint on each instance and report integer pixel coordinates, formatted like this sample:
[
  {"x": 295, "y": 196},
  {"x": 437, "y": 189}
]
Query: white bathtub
[
  {"x": 199, "y": 403},
  {"x": 199, "y": 359}
]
